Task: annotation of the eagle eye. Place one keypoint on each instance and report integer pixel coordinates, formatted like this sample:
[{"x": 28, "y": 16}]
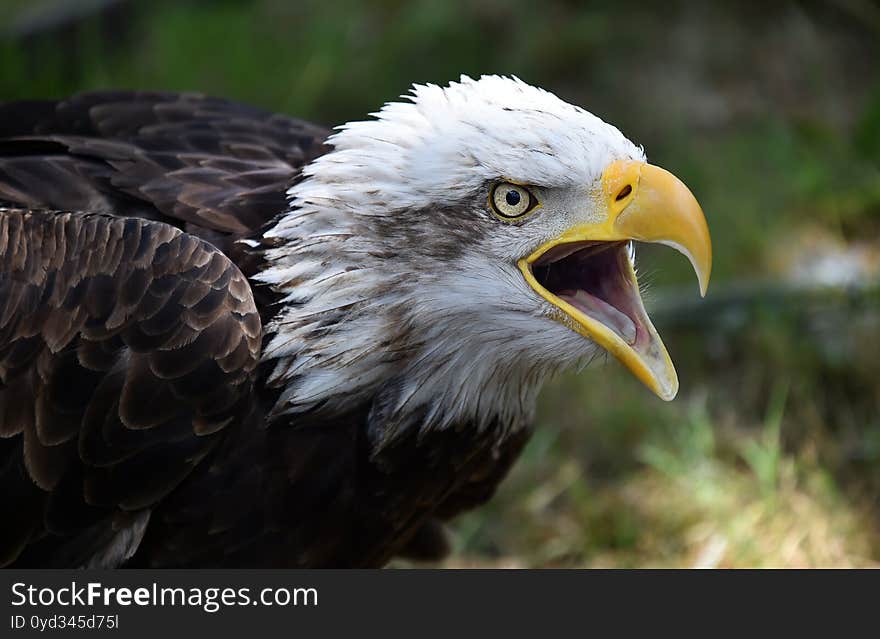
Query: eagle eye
[{"x": 511, "y": 201}]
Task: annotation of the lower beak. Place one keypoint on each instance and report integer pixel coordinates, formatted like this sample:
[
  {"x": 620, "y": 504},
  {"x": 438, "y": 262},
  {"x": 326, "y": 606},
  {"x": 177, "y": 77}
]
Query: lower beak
[{"x": 643, "y": 203}]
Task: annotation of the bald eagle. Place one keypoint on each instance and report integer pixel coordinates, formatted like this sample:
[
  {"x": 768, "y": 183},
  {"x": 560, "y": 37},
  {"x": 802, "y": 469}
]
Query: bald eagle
[{"x": 230, "y": 338}]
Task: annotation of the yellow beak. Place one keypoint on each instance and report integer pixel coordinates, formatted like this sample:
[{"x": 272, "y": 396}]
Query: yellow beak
[{"x": 648, "y": 204}]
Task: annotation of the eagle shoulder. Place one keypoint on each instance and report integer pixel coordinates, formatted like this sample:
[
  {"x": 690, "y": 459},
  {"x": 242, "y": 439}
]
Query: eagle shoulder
[{"x": 214, "y": 167}]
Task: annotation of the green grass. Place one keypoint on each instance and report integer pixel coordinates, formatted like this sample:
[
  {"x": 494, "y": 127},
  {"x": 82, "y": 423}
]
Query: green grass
[{"x": 691, "y": 485}]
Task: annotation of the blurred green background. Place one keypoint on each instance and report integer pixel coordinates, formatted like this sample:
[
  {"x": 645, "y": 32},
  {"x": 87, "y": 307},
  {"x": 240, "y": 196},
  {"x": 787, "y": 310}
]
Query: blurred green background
[{"x": 770, "y": 456}]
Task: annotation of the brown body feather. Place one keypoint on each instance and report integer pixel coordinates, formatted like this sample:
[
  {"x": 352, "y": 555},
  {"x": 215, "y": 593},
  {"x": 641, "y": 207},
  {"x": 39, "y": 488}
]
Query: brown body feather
[{"x": 133, "y": 409}]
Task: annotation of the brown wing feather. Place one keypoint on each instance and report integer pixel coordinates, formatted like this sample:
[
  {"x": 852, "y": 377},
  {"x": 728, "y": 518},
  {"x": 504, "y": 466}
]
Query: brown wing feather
[
  {"x": 126, "y": 349},
  {"x": 210, "y": 166}
]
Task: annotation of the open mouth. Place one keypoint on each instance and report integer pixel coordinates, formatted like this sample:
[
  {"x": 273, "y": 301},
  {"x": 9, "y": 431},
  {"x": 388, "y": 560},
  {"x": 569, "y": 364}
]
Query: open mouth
[
  {"x": 594, "y": 288},
  {"x": 596, "y": 280},
  {"x": 586, "y": 273}
]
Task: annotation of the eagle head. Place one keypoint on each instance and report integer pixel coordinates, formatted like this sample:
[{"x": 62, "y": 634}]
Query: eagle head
[{"x": 446, "y": 256}]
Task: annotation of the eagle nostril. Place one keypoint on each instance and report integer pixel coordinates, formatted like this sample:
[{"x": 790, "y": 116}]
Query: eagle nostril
[{"x": 626, "y": 190}]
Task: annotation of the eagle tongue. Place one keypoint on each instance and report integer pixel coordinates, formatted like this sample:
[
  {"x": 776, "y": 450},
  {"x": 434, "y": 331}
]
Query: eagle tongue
[{"x": 602, "y": 311}]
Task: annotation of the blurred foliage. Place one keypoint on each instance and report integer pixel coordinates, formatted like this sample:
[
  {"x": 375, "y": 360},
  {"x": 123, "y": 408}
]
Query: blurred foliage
[{"x": 771, "y": 113}]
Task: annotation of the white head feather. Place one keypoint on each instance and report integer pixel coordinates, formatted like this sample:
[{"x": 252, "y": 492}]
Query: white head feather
[{"x": 376, "y": 289}]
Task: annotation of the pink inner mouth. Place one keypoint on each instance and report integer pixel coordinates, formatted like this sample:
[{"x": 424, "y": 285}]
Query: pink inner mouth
[{"x": 595, "y": 278}]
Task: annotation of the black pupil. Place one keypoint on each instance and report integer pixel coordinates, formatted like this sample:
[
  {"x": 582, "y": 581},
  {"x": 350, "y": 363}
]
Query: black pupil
[{"x": 512, "y": 197}]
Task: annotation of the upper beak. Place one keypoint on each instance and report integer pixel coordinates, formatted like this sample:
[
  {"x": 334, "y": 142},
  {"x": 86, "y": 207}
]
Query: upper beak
[{"x": 645, "y": 203}]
